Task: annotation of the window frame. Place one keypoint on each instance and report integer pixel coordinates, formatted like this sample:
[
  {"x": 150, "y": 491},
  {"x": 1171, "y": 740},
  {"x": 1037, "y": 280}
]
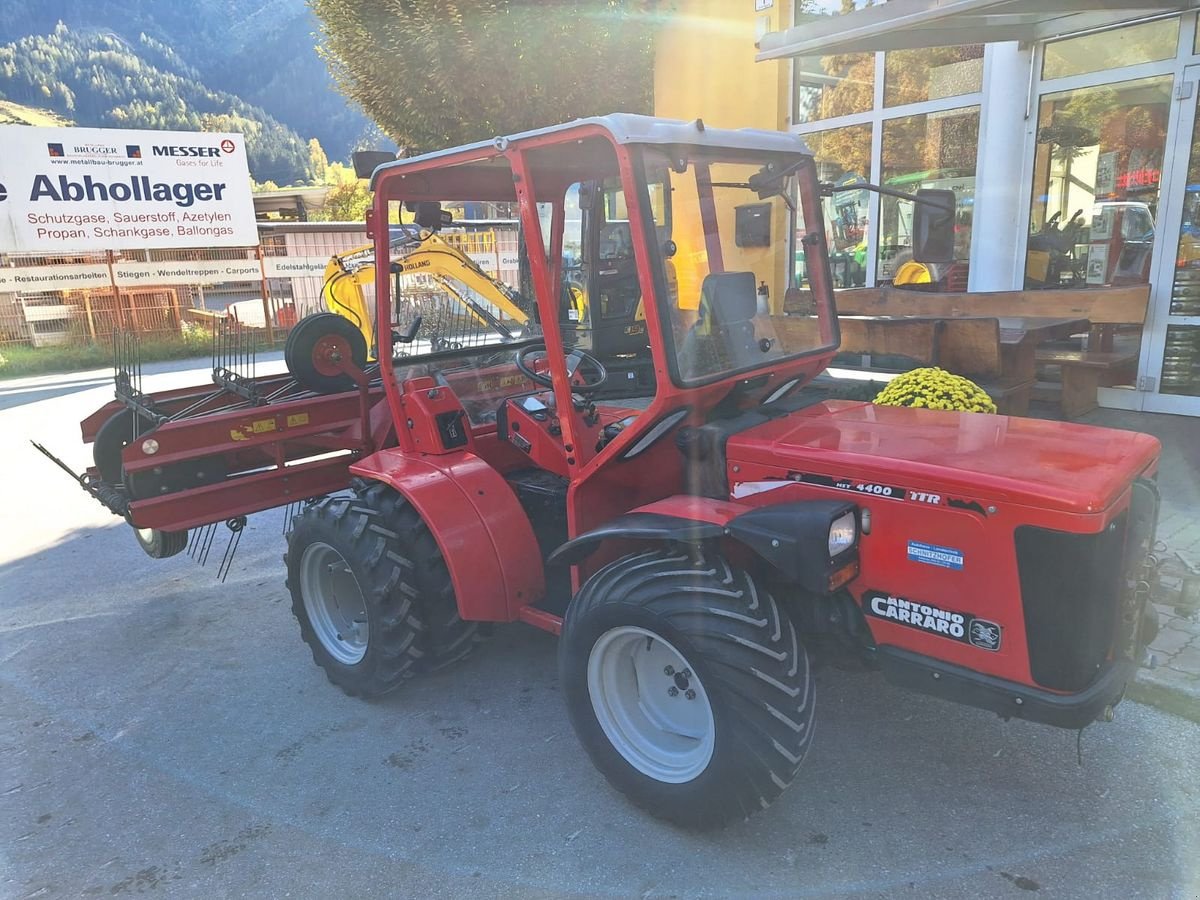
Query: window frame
[{"x": 875, "y": 118}]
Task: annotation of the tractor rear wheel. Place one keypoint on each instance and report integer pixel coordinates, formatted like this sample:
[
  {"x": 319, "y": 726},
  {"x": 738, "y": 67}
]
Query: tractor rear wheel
[
  {"x": 372, "y": 593},
  {"x": 687, "y": 686}
]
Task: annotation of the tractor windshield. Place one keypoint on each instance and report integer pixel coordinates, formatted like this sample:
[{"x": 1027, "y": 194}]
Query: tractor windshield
[{"x": 730, "y": 304}]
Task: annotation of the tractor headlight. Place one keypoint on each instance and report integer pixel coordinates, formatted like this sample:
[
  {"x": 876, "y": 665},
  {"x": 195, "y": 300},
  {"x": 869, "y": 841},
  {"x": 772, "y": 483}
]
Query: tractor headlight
[{"x": 843, "y": 534}]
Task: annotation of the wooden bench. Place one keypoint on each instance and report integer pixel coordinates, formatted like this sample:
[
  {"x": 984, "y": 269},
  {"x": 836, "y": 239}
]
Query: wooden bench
[
  {"x": 1083, "y": 371},
  {"x": 969, "y": 347}
]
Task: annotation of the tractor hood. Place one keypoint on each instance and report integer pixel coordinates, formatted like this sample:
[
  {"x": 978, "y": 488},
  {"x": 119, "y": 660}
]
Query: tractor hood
[{"x": 1058, "y": 465}]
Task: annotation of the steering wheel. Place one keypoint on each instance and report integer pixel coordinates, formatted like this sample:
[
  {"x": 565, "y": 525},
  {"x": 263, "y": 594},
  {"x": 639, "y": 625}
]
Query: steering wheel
[{"x": 575, "y": 359}]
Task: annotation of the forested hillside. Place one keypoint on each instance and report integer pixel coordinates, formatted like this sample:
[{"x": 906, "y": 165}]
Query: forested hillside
[
  {"x": 262, "y": 51},
  {"x": 102, "y": 80}
]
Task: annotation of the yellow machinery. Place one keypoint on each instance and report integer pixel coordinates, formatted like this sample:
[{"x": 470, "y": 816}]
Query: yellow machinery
[
  {"x": 483, "y": 297},
  {"x": 607, "y": 312}
]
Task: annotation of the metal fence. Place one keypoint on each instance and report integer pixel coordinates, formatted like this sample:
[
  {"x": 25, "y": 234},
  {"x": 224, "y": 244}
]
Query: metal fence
[{"x": 47, "y": 300}]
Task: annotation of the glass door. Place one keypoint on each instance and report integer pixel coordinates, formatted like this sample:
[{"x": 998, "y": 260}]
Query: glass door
[{"x": 1171, "y": 354}]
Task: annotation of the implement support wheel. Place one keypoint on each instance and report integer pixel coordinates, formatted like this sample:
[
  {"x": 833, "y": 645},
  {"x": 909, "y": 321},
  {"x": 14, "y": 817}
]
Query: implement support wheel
[
  {"x": 161, "y": 544},
  {"x": 316, "y": 348},
  {"x": 113, "y": 436}
]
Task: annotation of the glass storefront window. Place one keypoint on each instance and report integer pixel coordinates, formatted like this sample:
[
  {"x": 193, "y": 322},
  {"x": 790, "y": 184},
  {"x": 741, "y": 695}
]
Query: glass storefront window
[
  {"x": 830, "y": 86},
  {"x": 1097, "y": 169},
  {"x": 931, "y": 73},
  {"x": 1181, "y": 360},
  {"x": 934, "y": 150},
  {"x": 1146, "y": 42},
  {"x": 843, "y": 157},
  {"x": 1181, "y": 351}
]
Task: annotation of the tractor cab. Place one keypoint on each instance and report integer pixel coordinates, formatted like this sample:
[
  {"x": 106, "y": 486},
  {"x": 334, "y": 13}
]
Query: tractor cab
[{"x": 652, "y": 233}]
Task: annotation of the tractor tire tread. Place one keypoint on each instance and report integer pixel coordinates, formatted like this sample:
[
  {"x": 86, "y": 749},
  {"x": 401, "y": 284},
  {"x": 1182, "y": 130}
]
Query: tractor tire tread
[{"x": 754, "y": 670}]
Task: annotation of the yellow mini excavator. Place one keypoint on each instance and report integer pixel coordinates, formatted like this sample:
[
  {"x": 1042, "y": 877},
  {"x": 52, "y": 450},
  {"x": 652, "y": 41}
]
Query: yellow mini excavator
[
  {"x": 601, "y": 306},
  {"x": 488, "y": 300}
]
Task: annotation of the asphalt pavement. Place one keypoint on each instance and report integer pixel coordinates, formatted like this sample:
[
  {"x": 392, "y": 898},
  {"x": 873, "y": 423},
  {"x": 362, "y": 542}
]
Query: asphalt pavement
[{"x": 162, "y": 733}]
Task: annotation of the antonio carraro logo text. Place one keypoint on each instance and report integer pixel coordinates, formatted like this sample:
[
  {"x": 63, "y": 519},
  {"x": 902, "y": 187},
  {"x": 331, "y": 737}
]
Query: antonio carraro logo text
[{"x": 961, "y": 627}]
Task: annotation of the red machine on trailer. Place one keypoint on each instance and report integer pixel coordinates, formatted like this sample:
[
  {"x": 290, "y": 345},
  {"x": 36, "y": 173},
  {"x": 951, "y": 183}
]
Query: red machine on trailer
[{"x": 687, "y": 550}]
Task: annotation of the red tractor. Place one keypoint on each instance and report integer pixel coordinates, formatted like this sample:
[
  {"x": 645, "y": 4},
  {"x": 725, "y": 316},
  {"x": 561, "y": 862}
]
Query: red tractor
[{"x": 689, "y": 548}]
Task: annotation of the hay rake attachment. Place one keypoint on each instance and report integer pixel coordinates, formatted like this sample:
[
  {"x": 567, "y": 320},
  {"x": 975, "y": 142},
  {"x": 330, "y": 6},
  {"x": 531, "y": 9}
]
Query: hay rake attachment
[{"x": 182, "y": 462}]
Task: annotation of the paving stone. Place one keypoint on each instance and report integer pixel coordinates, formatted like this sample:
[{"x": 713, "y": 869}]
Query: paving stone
[
  {"x": 1169, "y": 642},
  {"x": 1177, "y": 623},
  {"x": 1186, "y": 660}
]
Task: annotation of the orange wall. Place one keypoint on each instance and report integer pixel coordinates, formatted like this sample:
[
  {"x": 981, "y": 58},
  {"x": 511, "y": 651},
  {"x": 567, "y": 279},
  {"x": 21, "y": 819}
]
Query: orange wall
[{"x": 704, "y": 68}]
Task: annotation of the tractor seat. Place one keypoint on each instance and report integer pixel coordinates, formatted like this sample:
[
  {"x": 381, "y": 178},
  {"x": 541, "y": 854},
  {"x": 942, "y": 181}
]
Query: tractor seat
[{"x": 722, "y": 338}]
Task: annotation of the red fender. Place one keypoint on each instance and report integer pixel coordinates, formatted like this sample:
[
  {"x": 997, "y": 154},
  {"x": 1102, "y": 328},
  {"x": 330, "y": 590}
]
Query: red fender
[{"x": 480, "y": 527}]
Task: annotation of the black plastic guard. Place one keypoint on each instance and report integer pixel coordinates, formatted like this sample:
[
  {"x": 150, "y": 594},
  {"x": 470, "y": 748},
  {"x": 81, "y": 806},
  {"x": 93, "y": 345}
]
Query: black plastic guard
[
  {"x": 794, "y": 538},
  {"x": 791, "y": 537},
  {"x": 1006, "y": 698},
  {"x": 636, "y": 526}
]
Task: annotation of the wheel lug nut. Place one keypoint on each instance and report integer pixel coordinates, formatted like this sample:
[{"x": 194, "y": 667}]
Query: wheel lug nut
[
  {"x": 669, "y": 671},
  {"x": 672, "y": 691},
  {"x": 691, "y": 694},
  {"x": 687, "y": 673}
]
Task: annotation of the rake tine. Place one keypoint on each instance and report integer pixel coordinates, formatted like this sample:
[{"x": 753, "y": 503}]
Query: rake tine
[
  {"x": 209, "y": 531},
  {"x": 235, "y": 525}
]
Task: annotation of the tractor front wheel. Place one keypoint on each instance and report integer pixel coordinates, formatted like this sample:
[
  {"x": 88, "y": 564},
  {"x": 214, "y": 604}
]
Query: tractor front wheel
[
  {"x": 687, "y": 686},
  {"x": 371, "y": 592}
]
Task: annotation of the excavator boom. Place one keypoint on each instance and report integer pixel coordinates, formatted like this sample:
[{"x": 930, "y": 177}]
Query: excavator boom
[{"x": 483, "y": 297}]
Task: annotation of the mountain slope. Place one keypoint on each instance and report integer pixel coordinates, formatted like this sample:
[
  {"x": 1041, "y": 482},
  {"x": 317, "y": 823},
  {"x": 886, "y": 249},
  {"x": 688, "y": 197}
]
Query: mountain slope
[
  {"x": 260, "y": 50},
  {"x": 16, "y": 114},
  {"x": 102, "y": 80}
]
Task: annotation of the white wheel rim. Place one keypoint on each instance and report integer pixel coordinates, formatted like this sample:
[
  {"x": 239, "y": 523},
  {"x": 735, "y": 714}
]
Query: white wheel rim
[
  {"x": 650, "y": 704},
  {"x": 334, "y": 603}
]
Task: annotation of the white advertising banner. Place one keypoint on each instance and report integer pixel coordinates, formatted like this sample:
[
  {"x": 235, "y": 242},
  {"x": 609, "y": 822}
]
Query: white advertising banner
[
  {"x": 206, "y": 271},
  {"x": 295, "y": 266},
  {"x": 129, "y": 274},
  {"x": 70, "y": 189},
  {"x": 33, "y": 279}
]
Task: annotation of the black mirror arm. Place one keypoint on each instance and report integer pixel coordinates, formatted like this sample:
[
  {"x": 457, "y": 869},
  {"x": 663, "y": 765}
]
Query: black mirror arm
[{"x": 828, "y": 190}]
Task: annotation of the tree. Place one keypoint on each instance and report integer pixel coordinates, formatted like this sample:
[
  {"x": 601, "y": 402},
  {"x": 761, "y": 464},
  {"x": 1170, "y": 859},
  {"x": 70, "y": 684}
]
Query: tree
[
  {"x": 436, "y": 73},
  {"x": 349, "y": 199},
  {"x": 347, "y": 202},
  {"x": 318, "y": 162}
]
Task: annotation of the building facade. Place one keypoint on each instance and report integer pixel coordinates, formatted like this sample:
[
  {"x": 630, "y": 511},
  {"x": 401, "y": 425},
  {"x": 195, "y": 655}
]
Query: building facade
[{"x": 1069, "y": 137}]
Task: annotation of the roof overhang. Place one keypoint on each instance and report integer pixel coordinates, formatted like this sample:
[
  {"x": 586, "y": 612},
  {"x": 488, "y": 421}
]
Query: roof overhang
[
  {"x": 909, "y": 24},
  {"x": 564, "y": 148}
]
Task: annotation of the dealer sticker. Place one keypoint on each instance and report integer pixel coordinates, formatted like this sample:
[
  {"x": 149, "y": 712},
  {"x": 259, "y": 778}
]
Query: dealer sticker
[
  {"x": 961, "y": 627},
  {"x": 933, "y": 555}
]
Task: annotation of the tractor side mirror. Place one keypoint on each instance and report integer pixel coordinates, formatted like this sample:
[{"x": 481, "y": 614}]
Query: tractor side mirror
[
  {"x": 933, "y": 226},
  {"x": 367, "y": 161},
  {"x": 428, "y": 214}
]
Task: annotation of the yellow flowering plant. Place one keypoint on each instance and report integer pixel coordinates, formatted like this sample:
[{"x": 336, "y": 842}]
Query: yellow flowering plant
[{"x": 933, "y": 388}]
